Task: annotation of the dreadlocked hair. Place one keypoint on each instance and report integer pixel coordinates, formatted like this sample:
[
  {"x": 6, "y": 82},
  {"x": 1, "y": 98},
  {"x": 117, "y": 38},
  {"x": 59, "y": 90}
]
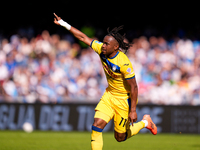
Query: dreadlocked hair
[{"x": 120, "y": 39}]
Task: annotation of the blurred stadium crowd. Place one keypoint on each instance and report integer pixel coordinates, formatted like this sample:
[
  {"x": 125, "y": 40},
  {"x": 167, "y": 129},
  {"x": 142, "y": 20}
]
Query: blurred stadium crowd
[{"x": 49, "y": 69}]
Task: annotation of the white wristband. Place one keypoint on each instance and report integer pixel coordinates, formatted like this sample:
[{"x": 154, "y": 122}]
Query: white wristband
[{"x": 64, "y": 24}]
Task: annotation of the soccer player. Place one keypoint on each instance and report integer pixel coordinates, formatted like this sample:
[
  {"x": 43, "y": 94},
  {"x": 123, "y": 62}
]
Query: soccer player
[{"x": 120, "y": 98}]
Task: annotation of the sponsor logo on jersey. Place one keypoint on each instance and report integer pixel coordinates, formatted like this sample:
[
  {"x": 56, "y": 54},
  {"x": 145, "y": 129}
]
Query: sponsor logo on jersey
[{"x": 126, "y": 64}]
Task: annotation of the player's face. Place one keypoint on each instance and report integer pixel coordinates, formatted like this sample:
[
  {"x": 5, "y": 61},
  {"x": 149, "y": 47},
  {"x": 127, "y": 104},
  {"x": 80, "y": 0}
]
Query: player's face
[{"x": 110, "y": 46}]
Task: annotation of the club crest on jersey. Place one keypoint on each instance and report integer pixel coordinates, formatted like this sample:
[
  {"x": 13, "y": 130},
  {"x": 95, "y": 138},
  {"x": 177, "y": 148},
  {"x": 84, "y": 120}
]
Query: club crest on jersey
[
  {"x": 114, "y": 68},
  {"x": 129, "y": 70},
  {"x": 109, "y": 72}
]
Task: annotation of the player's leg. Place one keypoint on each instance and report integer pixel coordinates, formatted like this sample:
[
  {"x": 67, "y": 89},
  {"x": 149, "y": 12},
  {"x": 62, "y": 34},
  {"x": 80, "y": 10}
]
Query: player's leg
[
  {"x": 133, "y": 130},
  {"x": 145, "y": 123},
  {"x": 104, "y": 113},
  {"x": 100, "y": 121},
  {"x": 123, "y": 129},
  {"x": 96, "y": 136}
]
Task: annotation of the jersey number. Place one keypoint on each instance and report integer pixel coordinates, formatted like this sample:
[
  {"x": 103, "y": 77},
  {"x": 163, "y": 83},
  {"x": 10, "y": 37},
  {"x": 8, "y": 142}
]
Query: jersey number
[{"x": 122, "y": 119}]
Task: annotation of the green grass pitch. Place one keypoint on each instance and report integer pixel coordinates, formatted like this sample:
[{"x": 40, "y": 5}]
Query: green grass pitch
[{"x": 38, "y": 140}]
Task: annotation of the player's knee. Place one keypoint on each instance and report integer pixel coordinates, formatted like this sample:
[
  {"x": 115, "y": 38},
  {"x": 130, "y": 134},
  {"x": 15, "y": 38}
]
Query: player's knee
[
  {"x": 99, "y": 123},
  {"x": 120, "y": 137},
  {"x": 96, "y": 124}
]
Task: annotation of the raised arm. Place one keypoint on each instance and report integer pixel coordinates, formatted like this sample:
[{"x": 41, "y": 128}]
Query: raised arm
[{"x": 77, "y": 33}]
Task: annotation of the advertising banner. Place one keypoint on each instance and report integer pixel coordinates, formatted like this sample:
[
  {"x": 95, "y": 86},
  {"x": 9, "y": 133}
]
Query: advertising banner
[{"x": 79, "y": 117}]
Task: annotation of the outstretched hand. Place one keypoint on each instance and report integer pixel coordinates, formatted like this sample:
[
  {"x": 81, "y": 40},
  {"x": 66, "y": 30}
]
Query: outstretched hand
[{"x": 56, "y": 19}]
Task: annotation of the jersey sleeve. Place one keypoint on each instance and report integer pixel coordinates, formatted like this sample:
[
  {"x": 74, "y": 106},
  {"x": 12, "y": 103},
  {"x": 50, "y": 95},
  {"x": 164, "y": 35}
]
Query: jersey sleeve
[
  {"x": 127, "y": 70},
  {"x": 96, "y": 46}
]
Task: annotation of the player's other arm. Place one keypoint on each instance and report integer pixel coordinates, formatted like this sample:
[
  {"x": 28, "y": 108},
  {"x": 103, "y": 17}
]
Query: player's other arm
[
  {"x": 133, "y": 95},
  {"x": 77, "y": 33}
]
